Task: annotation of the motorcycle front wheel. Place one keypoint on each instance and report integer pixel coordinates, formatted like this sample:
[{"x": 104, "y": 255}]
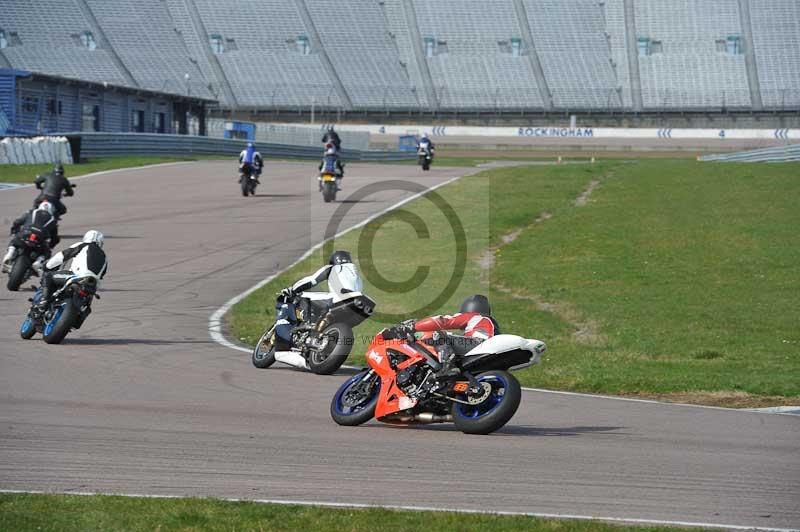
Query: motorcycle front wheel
[
  {"x": 264, "y": 352},
  {"x": 355, "y": 400},
  {"x": 19, "y": 272},
  {"x": 492, "y": 409},
  {"x": 340, "y": 343}
]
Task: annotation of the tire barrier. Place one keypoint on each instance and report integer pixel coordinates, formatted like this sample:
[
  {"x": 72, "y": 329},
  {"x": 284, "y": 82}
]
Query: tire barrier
[{"x": 35, "y": 150}]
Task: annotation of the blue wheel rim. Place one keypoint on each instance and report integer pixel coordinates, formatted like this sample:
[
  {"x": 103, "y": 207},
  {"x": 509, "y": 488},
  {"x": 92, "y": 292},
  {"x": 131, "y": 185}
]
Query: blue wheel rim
[
  {"x": 48, "y": 327},
  {"x": 495, "y": 399},
  {"x": 27, "y": 325},
  {"x": 352, "y": 410}
]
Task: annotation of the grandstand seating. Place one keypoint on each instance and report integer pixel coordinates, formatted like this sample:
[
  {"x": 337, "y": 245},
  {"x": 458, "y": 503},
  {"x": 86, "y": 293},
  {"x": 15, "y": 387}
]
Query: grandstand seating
[
  {"x": 476, "y": 69},
  {"x": 261, "y": 60},
  {"x": 372, "y": 54},
  {"x": 362, "y": 52},
  {"x": 691, "y": 72},
  {"x": 776, "y": 32},
  {"x": 570, "y": 39},
  {"x": 54, "y": 48},
  {"x": 145, "y": 38}
]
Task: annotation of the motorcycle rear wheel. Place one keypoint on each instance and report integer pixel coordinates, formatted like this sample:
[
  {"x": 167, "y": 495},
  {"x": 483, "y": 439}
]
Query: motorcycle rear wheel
[
  {"x": 59, "y": 330},
  {"x": 497, "y": 409},
  {"x": 264, "y": 352},
  {"x": 328, "y": 363},
  {"x": 245, "y": 187},
  {"x": 329, "y": 191},
  {"x": 349, "y": 415},
  {"x": 18, "y": 272}
]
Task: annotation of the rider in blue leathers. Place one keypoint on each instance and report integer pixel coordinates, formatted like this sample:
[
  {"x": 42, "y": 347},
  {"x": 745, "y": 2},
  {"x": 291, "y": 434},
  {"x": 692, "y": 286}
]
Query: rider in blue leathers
[{"x": 251, "y": 157}]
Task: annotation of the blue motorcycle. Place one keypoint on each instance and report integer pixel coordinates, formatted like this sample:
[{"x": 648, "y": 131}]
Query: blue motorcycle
[{"x": 68, "y": 310}]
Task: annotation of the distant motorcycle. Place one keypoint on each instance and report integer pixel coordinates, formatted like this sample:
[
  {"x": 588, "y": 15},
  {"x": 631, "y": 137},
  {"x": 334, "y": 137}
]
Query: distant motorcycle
[
  {"x": 328, "y": 185},
  {"x": 22, "y": 265},
  {"x": 425, "y": 154},
  {"x": 322, "y": 329},
  {"x": 248, "y": 179},
  {"x": 401, "y": 386},
  {"x": 70, "y": 307}
]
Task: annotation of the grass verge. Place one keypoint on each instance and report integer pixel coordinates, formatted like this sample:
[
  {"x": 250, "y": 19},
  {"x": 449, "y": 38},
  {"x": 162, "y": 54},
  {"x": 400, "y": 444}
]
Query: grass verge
[
  {"x": 670, "y": 279},
  {"x": 65, "y": 513},
  {"x": 26, "y": 173}
]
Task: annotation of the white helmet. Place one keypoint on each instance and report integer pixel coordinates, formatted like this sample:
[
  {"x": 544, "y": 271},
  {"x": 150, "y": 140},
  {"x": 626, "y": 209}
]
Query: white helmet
[
  {"x": 47, "y": 207},
  {"x": 93, "y": 236}
]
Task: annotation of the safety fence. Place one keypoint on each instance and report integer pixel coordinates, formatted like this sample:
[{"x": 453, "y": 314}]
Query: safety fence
[
  {"x": 778, "y": 154},
  {"x": 291, "y": 134},
  {"x": 92, "y": 145}
]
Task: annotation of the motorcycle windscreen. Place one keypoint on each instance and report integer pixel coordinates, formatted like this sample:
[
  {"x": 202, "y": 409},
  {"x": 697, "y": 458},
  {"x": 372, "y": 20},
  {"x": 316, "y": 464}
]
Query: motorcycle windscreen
[{"x": 344, "y": 279}]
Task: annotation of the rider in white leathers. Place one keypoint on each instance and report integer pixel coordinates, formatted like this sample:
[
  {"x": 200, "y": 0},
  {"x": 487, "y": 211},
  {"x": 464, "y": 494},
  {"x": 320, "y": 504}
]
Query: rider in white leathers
[{"x": 343, "y": 280}]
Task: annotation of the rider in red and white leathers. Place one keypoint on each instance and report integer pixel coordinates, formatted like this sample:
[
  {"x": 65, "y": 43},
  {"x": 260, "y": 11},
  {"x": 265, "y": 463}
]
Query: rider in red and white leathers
[{"x": 474, "y": 319}]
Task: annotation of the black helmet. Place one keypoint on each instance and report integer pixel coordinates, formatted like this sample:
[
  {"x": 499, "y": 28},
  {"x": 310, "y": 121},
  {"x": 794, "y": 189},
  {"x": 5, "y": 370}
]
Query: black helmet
[
  {"x": 478, "y": 304},
  {"x": 340, "y": 257},
  {"x": 58, "y": 169}
]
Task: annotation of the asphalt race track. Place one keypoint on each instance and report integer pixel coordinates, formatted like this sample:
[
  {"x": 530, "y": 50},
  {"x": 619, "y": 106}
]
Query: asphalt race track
[{"x": 142, "y": 401}]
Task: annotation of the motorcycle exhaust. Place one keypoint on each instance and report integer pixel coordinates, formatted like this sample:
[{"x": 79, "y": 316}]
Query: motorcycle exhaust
[{"x": 424, "y": 418}]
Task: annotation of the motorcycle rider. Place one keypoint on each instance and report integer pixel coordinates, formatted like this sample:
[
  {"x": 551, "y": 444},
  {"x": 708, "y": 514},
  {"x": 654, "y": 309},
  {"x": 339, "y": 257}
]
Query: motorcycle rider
[
  {"x": 474, "y": 318},
  {"x": 332, "y": 163},
  {"x": 425, "y": 143},
  {"x": 342, "y": 276},
  {"x": 332, "y": 137},
  {"x": 52, "y": 185},
  {"x": 251, "y": 157},
  {"x": 40, "y": 221},
  {"x": 84, "y": 258}
]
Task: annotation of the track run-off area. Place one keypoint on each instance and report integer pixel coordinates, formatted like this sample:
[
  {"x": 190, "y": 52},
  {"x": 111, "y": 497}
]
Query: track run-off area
[{"x": 143, "y": 401}]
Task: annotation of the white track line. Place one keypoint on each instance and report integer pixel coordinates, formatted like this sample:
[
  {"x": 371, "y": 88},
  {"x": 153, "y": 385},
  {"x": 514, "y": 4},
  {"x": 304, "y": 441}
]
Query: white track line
[
  {"x": 103, "y": 172},
  {"x": 541, "y": 515}
]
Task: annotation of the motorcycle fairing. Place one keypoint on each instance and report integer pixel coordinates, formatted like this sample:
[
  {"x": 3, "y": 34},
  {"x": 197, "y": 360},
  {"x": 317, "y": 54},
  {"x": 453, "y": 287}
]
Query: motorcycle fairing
[
  {"x": 504, "y": 351},
  {"x": 391, "y": 399}
]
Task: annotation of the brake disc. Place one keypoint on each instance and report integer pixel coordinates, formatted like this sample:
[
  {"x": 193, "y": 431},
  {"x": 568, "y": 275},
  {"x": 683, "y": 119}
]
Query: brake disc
[{"x": 486, "y": 390}]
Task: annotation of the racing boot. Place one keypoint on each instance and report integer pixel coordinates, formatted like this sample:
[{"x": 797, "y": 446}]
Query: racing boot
[
  {"x": 449, "y": 367},
  {"x": 38, "y": 265},
  {"x": 338, "y": 184},
  {"x": 319, "y": 182},
  {"x": 8, "y": 258}
]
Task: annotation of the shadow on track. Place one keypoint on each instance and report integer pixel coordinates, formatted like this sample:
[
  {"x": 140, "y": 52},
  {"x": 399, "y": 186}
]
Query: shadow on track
[
  {"x": 510, "y": 430},
  {"x": 130, "y": 341}
]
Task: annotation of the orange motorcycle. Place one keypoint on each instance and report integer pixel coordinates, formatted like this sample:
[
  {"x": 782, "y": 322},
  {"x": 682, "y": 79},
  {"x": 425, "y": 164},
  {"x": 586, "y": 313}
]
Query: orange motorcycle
[{"x": 401, "y": 385}]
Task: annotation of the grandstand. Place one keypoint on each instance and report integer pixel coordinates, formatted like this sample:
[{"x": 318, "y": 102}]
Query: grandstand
[{"x": 456, "y": 56}]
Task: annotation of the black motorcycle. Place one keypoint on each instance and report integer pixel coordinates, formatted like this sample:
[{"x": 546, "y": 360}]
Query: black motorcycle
[
  {"x": 322, "y": 331},
  {"x": 248, "y": 179},
  {"x": 34, "y": 247},
  {"x": 425, "y": 155},
  {"x": 69, "y": 308}
]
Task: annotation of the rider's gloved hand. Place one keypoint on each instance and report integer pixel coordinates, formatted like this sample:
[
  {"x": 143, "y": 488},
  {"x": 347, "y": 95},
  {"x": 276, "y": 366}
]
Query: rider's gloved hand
[
  {"x": 401, "y": 331},
  {"x": 287, "y": 293}
]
